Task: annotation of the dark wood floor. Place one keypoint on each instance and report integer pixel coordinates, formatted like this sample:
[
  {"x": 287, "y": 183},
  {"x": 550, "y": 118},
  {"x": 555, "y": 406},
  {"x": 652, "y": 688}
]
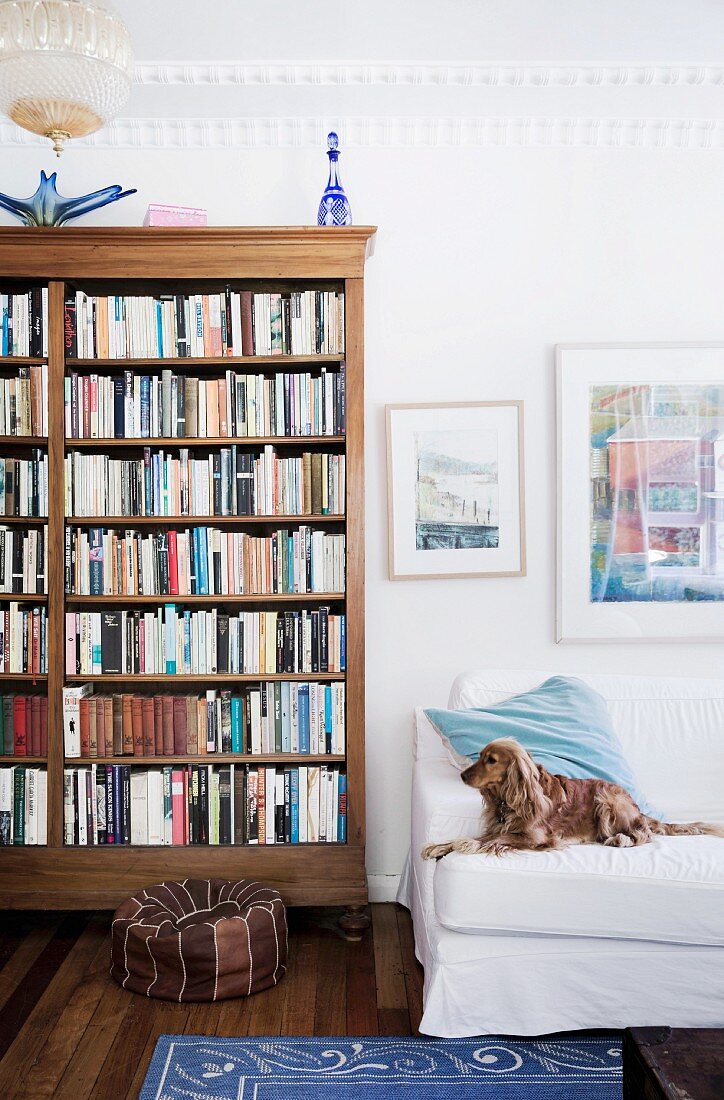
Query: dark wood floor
[{"x": 68, "y": 1031}]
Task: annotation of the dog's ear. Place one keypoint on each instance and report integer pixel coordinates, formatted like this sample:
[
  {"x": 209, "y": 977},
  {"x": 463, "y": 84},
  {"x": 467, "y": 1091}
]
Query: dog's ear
[{"x": 521, "y": 789}]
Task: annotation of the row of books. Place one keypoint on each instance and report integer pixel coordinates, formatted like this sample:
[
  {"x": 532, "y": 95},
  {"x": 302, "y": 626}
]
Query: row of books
[
  {"x": 24, "y": 485},
  {"x": 132, "y": 406},
  {"x": 306, "y": 718},
  {"x": 170, "y": 326},
  {"x": 23, "y": 725},
  {"x": 22, "y": 560},
  {"x": 23, "y": 805},
  {"x": 24, "y": 402},
  {"x": 229, "y": 482},
  {"x": 171, "y": 641},
  {"x": 204, "y": 804},
  {"x": 201, "y": 561},
  {"x": 23, "y": 639},
  {"x": 23, "y": 322}
]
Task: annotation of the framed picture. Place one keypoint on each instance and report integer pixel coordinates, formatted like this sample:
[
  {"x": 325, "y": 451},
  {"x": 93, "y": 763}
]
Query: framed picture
[
  {"x": 455, "y": 490},
  {"x": 640, "y": 492}
]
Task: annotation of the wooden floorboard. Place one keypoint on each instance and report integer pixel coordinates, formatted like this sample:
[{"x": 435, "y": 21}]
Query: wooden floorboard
[
  {"x": 412, "y": 971},
  {"x": 392, "y": 1010},
  {"x": 362, "y": 1018},
  {"x": 61, "y": 1044},
  {"x": 58, "y": 990},
  {"x": 26, "y": 952},
  {"x": 68, "y": 1031},
  {"x": 303, "y": 972}
]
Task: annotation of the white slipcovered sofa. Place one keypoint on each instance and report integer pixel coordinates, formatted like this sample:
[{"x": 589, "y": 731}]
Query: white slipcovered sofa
[{"x": 589, "y": 936}]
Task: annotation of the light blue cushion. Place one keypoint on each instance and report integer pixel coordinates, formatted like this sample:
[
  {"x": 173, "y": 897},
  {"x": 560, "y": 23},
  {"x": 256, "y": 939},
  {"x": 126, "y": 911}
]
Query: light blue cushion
[{"x": 564, "y": 724}]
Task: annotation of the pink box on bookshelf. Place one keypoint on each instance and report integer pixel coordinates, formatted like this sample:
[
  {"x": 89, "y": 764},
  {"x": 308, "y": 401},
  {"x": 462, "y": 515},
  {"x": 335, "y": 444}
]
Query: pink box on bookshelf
[{"x": 158, "y": 214}]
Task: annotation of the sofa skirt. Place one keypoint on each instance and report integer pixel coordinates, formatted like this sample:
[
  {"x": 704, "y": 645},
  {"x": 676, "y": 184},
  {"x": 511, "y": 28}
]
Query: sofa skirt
[{"x": 527, "y": 984}]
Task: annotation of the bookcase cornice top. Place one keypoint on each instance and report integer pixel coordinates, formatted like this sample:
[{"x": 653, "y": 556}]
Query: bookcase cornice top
[{"x": 233, "y": 252}]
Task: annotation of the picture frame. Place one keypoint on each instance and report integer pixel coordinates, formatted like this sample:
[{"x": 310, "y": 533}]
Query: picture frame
[
  {"x": 455, "y": 490},
  {"x": 640, "y": 554}
]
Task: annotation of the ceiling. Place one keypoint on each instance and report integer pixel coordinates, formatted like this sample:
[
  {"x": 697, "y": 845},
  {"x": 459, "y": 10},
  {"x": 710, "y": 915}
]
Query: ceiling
[{"x": 227, "y": 72}]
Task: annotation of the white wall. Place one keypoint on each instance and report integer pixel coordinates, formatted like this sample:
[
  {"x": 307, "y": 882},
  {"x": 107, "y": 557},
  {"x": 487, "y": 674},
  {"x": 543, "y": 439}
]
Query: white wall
[{"x": 485, "y": 258}]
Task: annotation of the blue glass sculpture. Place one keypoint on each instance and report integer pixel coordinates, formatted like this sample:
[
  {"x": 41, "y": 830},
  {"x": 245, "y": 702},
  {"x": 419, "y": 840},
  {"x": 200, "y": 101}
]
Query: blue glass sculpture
[
  {"x": 47, "y": 207},
  {"x": 334, "y": 209}
]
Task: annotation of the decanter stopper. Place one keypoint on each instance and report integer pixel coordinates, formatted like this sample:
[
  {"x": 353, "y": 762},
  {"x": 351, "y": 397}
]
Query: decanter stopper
[{"x": 334, "y": 209}]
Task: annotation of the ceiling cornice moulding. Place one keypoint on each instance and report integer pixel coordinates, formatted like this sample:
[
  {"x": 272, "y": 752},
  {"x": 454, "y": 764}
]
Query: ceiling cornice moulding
[
  {"x": 461, "y": 74},
  {"x": 394, "y": 132}
]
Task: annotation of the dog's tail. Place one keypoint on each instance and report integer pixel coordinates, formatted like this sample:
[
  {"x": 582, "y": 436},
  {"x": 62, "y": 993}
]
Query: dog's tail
[{"x": 691, "y": 828}]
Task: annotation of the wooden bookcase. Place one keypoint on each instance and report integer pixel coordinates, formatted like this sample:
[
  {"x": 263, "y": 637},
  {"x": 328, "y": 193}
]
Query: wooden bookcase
[{"x": 121, "y": 260}]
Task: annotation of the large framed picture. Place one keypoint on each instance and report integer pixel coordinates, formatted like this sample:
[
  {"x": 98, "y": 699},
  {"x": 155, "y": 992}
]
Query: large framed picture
[
  {"x": 455, "y": 490},
  {"x": 640, "y": 492}
]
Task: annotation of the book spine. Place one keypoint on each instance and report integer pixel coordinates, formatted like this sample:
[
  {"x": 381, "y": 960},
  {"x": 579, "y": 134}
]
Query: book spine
[{"x": 19, "y": 805}]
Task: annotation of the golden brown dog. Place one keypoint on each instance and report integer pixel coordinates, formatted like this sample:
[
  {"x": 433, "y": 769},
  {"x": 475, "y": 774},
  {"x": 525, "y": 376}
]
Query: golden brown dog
[{"x": 528, "y": 808}]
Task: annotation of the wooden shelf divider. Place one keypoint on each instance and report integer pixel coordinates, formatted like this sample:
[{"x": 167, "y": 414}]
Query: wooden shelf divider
[
  {"x": 277, "y": 597},
  {"x": 250, "y": 441},
  {"x": 32, "y": 521},
  {"x": 25, "y": 677},
  {"x": 20, "y": 759},
  {"x": 22, "y": 360},
  {"x": 23, "y": 597},
  {"x": 23, "y": 440},
  {"x": 202, "y": 521},
  {"x": 220, "y": 758},
  {"x": 214, "y": 362}
]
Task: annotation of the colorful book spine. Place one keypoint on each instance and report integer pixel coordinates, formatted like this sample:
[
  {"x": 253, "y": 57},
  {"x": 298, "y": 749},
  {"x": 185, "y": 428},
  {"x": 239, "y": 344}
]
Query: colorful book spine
[
  {"x": 23, "y": 323},
  {"x": 306, "y": 322},
  {"x": 179, "y": 805},
  {"x": 215, "y": 722},
  {"x": 227, "y": 482},
  {"x": 172, "y": 641},
  {"x": 200, "y": 561},
  {"x": 23, "y": 805}
]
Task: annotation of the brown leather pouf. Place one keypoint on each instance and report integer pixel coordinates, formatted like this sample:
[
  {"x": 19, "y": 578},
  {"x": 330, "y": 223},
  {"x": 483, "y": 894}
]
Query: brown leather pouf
[{"x": 200, "y": 940}]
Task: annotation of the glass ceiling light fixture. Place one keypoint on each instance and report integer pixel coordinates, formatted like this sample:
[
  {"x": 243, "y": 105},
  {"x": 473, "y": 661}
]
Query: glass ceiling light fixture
[{"x": 66, "y": 66}]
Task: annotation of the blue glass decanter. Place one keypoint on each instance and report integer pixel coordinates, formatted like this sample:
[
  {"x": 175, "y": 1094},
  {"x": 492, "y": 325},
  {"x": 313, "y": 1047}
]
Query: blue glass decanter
[{"x": 334, "y": 209}]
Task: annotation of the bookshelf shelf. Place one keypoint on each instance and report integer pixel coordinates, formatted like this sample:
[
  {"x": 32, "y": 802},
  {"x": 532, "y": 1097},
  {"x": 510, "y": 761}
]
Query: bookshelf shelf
[
  {"x": 205, "y": 521},
  {"x": 132, "y": 601},
  {"x": 208, "y": 758},
  {"x": 119, "y": 261},
  {"x": 23, "y": 520},
  {"x": 23, "y": 441},
  {"x": 22, "y": 361},
  {"x": 277, "y": 362},
  {"x": 25, "y": 677},
  {"x": 24, "y": 597},
  {"x": 250, "y": 441}
]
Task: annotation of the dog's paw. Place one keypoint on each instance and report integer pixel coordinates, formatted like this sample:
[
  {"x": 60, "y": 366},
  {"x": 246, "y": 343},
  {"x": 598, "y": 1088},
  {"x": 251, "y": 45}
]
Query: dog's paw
[
  {"x": 493, "y": 847},
  {"x": 620, "y": 840},
  {"x": 467, "y": 847},
  {"x": 436, "y": 851}
]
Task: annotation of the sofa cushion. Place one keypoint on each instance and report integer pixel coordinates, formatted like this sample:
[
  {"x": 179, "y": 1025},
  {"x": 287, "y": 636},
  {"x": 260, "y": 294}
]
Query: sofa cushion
[
  {"x": 563, "y": 723},
  {"x": 671, "y": 730},
  {"x": 670, "y": 891}
]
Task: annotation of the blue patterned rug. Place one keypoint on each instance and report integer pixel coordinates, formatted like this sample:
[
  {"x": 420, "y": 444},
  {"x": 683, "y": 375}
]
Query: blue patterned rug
[{"x": 212, "y": 1068}]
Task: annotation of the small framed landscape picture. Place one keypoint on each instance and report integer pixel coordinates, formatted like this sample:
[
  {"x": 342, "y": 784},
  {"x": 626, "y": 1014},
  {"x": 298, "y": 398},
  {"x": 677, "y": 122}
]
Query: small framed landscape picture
[
  {"x": 640, "y": 492},
  {"x": 455, "y": 490}
]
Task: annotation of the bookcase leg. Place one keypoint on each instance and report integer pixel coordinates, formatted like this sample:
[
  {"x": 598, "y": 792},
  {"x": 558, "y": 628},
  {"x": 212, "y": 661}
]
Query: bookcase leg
[{"x": 354, "y": 922}]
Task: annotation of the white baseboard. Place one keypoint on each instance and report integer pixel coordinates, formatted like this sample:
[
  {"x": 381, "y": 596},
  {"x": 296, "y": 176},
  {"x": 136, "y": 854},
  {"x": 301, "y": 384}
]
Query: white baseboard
[{"x": 383, "y": 887}]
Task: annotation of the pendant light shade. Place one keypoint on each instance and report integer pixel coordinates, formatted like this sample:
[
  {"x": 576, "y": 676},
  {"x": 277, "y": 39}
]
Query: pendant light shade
[{"x": 66, "y": 66}]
